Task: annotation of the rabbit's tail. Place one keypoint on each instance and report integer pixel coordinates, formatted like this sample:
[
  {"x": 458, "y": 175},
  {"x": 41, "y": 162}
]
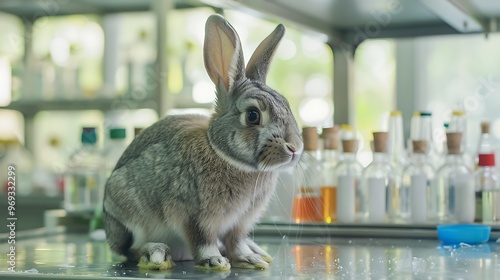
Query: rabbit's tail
[{"x": 119, "y": 237}]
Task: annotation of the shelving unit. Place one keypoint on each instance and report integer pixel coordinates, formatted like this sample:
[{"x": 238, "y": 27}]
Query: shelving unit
[{"x": 30, "y": 11}]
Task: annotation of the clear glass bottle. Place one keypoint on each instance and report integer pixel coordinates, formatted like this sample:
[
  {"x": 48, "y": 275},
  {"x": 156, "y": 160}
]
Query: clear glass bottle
[
  {"x": 417, "y": 180},
  {"x": 307, "y": 204},
  {"x": 115, "y": 147},
  {"x": 378, "y": 180},
  {"x": 454, "y": 185},
  {"x": 398, "y": 157},
  {"x": 396, "y": 151},
  {"x": 348, "y": 172},
  {"x": 487, "y": 190},
  {"x": 329, "y": 182},
  {"x": 84, "y": 178},
  {"x": 458, "y": 123}
]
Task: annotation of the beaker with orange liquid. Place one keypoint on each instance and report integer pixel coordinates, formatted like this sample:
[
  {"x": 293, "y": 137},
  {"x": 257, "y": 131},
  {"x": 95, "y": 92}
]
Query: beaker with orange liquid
[
  {"x": 307, "y": 204},
  {"x": 329, "y": 159}
]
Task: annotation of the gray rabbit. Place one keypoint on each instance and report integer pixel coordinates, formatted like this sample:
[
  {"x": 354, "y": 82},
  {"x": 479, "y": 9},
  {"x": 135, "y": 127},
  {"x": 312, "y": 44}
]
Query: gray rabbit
[{"x": 189, "y": 187}]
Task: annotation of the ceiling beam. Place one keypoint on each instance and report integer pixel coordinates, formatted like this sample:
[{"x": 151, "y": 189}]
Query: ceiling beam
[{"x": 457, "y": 17}]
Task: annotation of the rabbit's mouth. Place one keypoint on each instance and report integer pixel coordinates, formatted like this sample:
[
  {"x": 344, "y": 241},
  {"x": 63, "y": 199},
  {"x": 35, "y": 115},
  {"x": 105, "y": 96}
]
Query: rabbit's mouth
[{"x": 277, "y": 156}]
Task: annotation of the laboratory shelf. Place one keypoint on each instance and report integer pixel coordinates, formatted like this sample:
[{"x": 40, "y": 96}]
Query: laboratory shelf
[
  {"x": 76, "y": 256},
  {"x": 104, "y": 104}
]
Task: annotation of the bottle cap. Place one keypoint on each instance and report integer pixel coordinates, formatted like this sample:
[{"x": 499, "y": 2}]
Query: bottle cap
[
  {"x": 395, "y": 113},
  {"x": 458, "y": 113},
  {"x": 425, "y": 114},
  {"x": 453, "y": 142},
  {"x": 419, "y": 146},
  {"x": 331, "y": 137},
  {"x": 310, "y": 136},
  {"x": 89, "y": 135},
  {"x": 346, "y": 127},
  {"x": 379, "y": 142},
  {"x": 349, "y": 146},
  {"x": 485, "y": 127},
  {"x": 463, "y": 233},
  {"x": 486, "y": 160},
  {"x": 117, "y": 133}
]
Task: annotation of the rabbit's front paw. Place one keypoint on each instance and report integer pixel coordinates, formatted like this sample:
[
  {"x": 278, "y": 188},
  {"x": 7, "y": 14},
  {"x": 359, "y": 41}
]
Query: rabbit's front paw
[
  {"x": 257, "y": 250},
  {"x": 218, "y": 263},
  {"x": 156, "y": 256},
  {"x": 250, "y": 261}
]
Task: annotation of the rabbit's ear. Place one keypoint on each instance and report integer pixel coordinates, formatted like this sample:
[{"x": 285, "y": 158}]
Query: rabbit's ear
[
  {"x": 258, "y": 65},
  {"x": 222, "y": 53}
]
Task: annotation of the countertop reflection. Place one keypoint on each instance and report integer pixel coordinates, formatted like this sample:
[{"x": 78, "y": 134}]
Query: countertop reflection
[{"x": 76, "y": 256}]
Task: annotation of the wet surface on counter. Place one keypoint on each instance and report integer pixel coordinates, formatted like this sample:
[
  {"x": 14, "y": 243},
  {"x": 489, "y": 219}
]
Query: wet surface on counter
[{"x": 76, "y": 256}]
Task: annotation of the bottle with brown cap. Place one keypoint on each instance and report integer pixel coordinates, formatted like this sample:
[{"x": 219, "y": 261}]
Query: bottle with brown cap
[
  {"x": 348, "y": 172},
  {"x": 378, "y": 182},
  {"x": 329, "y": 159},
  {"x": 458, "y": 123},
  {"x": 454, "y": 192},
  {"x": 307, "y": 205},
  {"x": 487, "y": 180},
  {"x": 485, "y": 146},
  {"x": 417, "y": 184}
]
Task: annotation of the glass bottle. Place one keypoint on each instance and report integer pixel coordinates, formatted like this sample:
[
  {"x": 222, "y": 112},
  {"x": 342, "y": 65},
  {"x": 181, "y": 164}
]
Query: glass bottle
[
  {"x": 417, "y": 178},
  {"x": 307, "y": 201},
  {"x": 329, "y": 182},
  {"x": 348, "y": 172},
  {"x": 84, "y": 178},
  {"x": 487, "y": 190},
  {"x": 458, "y": 123},
  {"x": 378, "y": 180},
  {"x": 454, "y": 185},
  {"x": 396, "y": 151},
  {"x": 485, "y": 144},
  {"x": 398, "y": 157},
  {"x": 115, "y": 146}
]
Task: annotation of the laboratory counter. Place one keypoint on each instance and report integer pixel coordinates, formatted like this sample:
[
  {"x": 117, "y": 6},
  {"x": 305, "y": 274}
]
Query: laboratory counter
[{"x": 299, "y": 252}]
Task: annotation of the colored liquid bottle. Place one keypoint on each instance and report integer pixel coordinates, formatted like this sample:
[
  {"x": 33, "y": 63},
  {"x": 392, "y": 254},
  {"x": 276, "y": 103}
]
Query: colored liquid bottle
[
  {"x": 307, "y": 204},
  {"x": 329, "y": 181}
]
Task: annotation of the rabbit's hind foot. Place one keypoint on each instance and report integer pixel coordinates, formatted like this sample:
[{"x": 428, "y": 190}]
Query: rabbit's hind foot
[
  {"x": 253, "y": 261},
  {"x": 156, "y": 256}
]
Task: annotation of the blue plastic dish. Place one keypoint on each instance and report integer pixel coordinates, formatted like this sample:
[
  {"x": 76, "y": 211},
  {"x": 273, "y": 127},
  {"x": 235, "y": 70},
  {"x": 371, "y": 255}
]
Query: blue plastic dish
[{"x": 470, "y": 234}]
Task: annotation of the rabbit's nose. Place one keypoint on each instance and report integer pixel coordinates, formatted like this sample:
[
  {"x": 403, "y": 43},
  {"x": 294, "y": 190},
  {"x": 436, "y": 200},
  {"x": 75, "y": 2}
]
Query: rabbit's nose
[{"x": 291, "y": 148}]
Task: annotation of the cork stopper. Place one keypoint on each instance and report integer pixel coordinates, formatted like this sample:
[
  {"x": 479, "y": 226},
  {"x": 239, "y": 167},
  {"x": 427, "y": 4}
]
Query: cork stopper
[
  {"x": 310, "y": 135},
  {"x": 419, "y": 146},
  {"x": 349, "y": 146},
  {"x": 379, "y": 142},
  {"x": 485, "y": 127},
  {"x": 453, "y": 142},
  {"x": 331, "y": 138}
]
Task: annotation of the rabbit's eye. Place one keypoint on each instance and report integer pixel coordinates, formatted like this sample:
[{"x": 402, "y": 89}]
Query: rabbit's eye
[{"x": 253, "y": 117}]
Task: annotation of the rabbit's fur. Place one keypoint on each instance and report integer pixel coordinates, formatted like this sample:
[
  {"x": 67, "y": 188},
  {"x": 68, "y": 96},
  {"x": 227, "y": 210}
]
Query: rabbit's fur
[{"x": 189, "y": 185}]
